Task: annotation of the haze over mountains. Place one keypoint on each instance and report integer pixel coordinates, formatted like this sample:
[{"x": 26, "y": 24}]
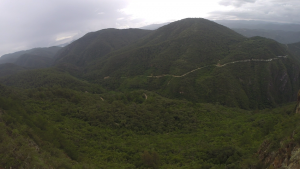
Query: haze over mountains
[
  {"x": 33, "y": 58},
  {"x": 180, "y": 47},
  {"x": 169, "y": 60},
  {"x": 281, "y": 32},
  {"x": 190, "y": 94}
]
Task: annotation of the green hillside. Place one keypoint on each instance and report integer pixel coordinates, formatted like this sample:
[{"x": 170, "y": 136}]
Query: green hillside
[
  {"x": 44, "y": 78},
  {"x": 193, "y": 59},
  {"x": 184, "y": 60},
  {"x": 48, "y": 52},
  {"x": 192, "y": 94},
  {"x": 57, "y": 127},
  {"x": 35, "y": 58},
  {"x": 10, "y": 69},
  {"x": 175, "y": 48},
  {"x": 33, "y": 61},
  {"x": 284, "y": 37},
  {"x": 94, "y": 45},
  {"x": 28, "y": 140},
  {"x": 295, "y": 49}
]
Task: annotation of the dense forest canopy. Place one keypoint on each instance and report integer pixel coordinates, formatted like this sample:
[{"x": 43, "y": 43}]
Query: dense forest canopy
[{"x": 191, "y": 94}]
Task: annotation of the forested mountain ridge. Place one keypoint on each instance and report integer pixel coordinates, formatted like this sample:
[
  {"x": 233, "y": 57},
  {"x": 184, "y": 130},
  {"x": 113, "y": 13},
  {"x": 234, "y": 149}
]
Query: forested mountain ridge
[
  {"x": 196, "y": 48},
  {"x": 57, "y": 127},
  {"x": 284, "y": 37},
  {"x": 189, "y": 44},
  {"x": 33, "y": 61},
  {"x": 44, "y": 52},
  {"x": 95, "y": 45},
  {"x": 192, "y": 94},
  {"x": 256, "y": 24},
  {"x": 47, "y": 78},
  {"x": 8, "y": 69},
  {"x": 28, "y": 59},
  {"x": 133, "y": 58},
  {"x": 284, "y": 33},
  {"x": 159, "y": 40},
  {"x": 294, "y": 48}
]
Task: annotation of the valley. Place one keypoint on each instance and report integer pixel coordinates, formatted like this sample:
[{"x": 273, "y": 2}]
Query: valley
[{"x": 191, "y": 94}]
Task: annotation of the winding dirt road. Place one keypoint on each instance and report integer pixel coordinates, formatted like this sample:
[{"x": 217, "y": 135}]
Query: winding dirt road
[{"x": 218, "y": 65}]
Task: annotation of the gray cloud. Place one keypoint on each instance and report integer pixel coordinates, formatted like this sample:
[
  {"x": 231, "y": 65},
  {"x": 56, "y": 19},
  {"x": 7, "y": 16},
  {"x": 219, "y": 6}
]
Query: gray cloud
[
  {"x": 267, "y": 10},
  {"x": 236, "y": 3},
  {"x": 36, "y": 23}
]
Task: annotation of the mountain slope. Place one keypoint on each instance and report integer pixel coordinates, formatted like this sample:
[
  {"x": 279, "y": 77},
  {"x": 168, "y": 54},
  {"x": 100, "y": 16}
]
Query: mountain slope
[
  {"x": 295, "y": 49},
  {"x": 96, "y": 45},
  {"x": 55, "y": 127},
  {"x": 175, "y": 48},
  {"x": 33, "y": 61},
  {"x": 154, "y": 26},
  {"x": 280, "y": 32},
  {"x": 33, "y": 58},
  {"x": 44, "y": 52},
  {"x": 184, "y": 60},
  {"x": 47, "y": 78},
  {"x": 284, "y": 37},
  {"x": 51, "y": 119},
  {"x": 10, "y": 69},
  {"x": 254, "y": 24}
]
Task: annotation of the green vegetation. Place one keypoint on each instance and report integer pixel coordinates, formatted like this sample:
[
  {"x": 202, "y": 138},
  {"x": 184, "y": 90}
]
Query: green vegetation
[
  {"x": 96, "y": 45},
  {"x": 33, "y": 58},
  {"x": 284, "y": 37},
  {"x": 61, "y": 127},
  {"x": 295, "y": 49},
  {"x": 186, "y": 45},
  {"x": 173, "y": 49},
  {"x": 49, "y": 78},
  {"x": 33, "y": 61},
  {"x": 123, "y": 60},
  {"x": 101, "y": 106},
  {"x": 10, "y": 69}
]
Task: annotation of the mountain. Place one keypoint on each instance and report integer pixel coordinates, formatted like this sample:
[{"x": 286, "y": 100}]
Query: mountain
[
  {"x": 194, "y": 59},
  {"x": 7, "y": 69},
  {"x": 154, "y": 26},
  {"x": 191, "y": 94},
  {"x": 53, "y": 126},
  {"x": 295, "y": 49},
  {"x": 284, "y": 37},
  {"x": 265, "y": 25},
  {"x": 178, "y": 46},
  {"x": 33, "y": 61},
  {"x": 33, "y": 58},
  {"x": 65, "y": 44},
  {"x": 202, "y": 61},
  {"x": 95, "y": 45},
  {"x": 281, "y": 32},
  {"x": 47, "y": 78}
]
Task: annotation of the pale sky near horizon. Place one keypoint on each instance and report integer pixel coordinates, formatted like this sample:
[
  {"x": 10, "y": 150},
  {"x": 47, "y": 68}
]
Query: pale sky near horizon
[{"x": 27, "y": 24}]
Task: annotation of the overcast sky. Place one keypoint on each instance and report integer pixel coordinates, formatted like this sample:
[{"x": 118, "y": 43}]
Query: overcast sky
[{"x": 25, "y": 24}]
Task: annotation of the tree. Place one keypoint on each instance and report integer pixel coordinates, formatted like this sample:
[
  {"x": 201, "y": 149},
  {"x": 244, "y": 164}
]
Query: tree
[{"x": 151, "y": 159}]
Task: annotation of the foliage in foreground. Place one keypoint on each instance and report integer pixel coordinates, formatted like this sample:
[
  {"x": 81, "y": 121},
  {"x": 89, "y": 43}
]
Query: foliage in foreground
[{"x": 64, "y": 128}]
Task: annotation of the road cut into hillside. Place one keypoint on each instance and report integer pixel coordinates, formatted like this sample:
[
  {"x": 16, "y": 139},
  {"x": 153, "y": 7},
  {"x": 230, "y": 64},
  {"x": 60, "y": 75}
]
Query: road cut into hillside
[{"x": 219, "y": 65}]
